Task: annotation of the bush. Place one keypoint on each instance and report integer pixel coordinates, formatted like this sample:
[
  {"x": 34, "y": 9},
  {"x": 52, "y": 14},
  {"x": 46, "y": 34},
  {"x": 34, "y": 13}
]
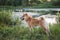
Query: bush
[{"x": 6, "y": 17}]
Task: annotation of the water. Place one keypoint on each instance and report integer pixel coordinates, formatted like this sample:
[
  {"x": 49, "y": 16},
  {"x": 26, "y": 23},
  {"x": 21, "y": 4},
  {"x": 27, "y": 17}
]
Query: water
[
  {"x": 16, "y": 15},
  {"x": 50, "y": 19}
]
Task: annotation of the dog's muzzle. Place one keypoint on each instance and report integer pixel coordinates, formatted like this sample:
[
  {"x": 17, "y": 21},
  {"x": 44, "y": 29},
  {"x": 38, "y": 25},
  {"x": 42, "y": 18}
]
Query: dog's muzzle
[{"x": 22, "y": 18}]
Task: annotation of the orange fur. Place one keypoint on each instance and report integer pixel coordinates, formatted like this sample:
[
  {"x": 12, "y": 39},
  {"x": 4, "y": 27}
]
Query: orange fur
[{"x": 34, "y": 22}]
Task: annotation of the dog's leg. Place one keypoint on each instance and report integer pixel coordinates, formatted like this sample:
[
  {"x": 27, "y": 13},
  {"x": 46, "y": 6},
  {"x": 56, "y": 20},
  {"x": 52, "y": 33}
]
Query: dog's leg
[
  {"x": 31, "y": 28},
  {"x": 45, "y": 30}
]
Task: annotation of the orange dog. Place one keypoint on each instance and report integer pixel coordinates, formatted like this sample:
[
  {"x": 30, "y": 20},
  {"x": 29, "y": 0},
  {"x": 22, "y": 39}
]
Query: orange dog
[{"x": 35, "y": 22}]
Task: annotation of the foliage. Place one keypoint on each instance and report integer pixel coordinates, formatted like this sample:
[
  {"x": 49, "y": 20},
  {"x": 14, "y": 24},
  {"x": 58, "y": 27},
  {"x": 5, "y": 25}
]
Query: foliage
[
  {"x": 42, "y": 3},
  {"x": 6, "y": 17},
  {"x": 56, "y": 2},
  {"x": 55, "y": 30},
  {"x": 10, "y": 2},
  {"x": 23, "y": 33}
]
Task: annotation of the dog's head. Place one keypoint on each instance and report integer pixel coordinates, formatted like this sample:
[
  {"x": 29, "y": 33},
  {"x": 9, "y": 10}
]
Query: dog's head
[{"x": 24, "y": 16}]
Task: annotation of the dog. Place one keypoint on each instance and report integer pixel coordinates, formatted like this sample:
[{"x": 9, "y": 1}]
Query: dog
[{"x": 32, "y": 22}]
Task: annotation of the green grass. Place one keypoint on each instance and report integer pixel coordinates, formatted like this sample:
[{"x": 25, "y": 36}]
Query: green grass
[
  {"x": 23, "y": 33},
  {"x": 55, "y": 30}
]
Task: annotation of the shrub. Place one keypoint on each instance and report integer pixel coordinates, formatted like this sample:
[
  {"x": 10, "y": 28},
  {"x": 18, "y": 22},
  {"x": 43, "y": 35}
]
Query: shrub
[{"x": 6, "y": 17}]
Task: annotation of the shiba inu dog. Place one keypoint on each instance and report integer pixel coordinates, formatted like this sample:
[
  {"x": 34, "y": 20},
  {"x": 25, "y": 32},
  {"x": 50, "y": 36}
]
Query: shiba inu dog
[{"x": 32, "y": 22}]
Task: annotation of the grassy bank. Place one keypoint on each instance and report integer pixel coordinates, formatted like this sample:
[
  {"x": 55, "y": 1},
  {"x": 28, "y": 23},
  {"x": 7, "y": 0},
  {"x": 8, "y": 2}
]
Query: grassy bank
[{"x": 23, "y": 33}]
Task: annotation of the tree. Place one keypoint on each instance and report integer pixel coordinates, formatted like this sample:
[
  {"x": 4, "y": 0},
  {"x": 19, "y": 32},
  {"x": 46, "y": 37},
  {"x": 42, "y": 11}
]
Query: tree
[
  {"x": 55, "y": 2},
  {"x": 24, "y": 2}
]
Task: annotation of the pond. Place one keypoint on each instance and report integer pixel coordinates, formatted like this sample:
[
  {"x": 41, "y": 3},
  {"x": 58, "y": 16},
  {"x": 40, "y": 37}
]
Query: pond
[{"x": 51, "y": 19}]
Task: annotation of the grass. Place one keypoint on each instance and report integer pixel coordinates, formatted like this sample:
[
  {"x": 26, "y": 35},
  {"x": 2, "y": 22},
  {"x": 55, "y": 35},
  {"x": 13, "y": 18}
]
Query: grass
[
  {"x": 56, "y": 31},
  {"x": 23, "y": 33}
]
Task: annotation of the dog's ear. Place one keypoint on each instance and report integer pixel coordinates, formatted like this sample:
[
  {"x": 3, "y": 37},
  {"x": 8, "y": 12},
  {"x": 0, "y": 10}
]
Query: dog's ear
[
  {"x": 25, "y": 13},
  {"x": 42, "y": 18}
]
